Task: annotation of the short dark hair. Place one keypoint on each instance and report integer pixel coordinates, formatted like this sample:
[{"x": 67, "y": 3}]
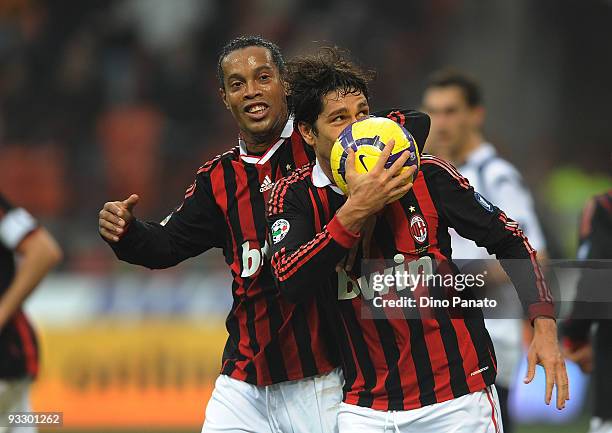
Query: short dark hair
[
  {"x": 250, "y": 41},
  {"x": 453, "y": 77},
  {"x": 311, "y": 77}
]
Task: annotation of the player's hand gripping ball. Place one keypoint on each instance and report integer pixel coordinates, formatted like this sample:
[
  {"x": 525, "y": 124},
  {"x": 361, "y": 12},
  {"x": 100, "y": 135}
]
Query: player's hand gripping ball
[{"x": 367, "y": 137}]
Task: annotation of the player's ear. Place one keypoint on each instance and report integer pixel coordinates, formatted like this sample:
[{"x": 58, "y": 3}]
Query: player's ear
[
  {"x": 223, "y": 96},
  {"x": 307, "y": 133},
  {"x": 478, "y": 116}
]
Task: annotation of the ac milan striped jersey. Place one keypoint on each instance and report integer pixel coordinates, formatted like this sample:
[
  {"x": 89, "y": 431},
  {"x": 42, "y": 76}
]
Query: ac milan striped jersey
[
  {"x": 270, "y": 340},
  {"x": 405, "y": 362},
  {"x": 18, "y": 345}
]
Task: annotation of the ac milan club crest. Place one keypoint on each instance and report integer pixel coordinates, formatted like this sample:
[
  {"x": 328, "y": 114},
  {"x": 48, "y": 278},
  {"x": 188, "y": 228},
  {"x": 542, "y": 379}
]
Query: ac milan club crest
[{"x": 418, "y": 228}]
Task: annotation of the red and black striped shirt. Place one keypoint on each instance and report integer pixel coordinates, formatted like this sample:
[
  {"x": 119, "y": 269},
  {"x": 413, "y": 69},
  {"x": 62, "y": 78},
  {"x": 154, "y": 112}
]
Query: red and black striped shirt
[
  {"x": 391, "y": 362},
  {"x": 270, "y": 339},
  {"x": 18, "y": 343}
]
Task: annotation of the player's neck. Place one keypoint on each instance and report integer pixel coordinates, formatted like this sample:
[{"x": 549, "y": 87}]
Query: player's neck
[
  {"x": 257, "y": 148},
  {"x": 259, "y": 144},
  {"x": 326, "y": 168},
  {"x": 474, "y": 141}
]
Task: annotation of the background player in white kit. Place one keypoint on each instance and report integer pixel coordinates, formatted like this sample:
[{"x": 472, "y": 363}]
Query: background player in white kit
[{"x": 454, "y": 103}]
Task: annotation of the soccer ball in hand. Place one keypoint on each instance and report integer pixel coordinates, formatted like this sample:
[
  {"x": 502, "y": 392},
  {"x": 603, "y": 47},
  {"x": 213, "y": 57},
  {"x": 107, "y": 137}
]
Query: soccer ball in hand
[{"x": 367, "y": 137}]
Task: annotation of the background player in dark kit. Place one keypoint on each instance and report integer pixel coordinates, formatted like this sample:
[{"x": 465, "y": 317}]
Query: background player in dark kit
[
  {"x": 593, "y": 353},
  {"x": 421, "y": 374},
  {"x": 20, "y": 235}
]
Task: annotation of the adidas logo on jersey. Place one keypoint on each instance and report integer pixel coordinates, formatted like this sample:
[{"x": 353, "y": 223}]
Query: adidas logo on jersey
[{"x": 267, "y": 184}]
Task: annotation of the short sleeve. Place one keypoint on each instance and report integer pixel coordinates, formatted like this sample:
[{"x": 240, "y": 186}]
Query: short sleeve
[{"x": 15, "y": 224}]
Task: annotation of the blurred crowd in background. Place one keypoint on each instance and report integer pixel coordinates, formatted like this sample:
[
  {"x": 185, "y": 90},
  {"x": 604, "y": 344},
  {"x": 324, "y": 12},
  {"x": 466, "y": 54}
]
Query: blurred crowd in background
[
  {"x": 100, "y": 99},
  {"x": 103, "y": 98}
]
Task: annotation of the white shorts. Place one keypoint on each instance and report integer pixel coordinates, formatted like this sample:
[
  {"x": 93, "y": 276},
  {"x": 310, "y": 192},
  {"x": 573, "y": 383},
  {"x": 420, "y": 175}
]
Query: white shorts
[
  {"x": 14, "y": 397},
  {"x": 300, "y": 406},
  {"x": 477, "y": 412}
]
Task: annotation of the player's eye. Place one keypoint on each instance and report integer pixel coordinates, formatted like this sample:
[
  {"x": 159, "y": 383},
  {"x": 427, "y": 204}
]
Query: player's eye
[
  {"x": 235, "y": 85},
  {"x": 264, "y": 77},
  {"x": 451, "y": 110}
]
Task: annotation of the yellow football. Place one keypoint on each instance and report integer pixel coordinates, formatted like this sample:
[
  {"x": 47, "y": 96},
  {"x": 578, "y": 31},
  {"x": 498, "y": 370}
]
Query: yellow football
[{"x": 367, "y": 138}]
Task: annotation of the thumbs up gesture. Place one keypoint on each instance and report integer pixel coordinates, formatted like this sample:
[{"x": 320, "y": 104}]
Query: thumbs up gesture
[{"x": 115, "y": 217}]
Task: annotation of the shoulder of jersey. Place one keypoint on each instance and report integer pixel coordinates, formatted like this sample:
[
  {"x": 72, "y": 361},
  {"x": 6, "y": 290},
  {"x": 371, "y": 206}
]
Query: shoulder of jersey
[
  {"x": 431, "y": 163},
  {"x": 232, "y": 154},
  {"x": 292, "y": 179},
  {"x": 290, "y": 182},
  {"x": 499, "y": 167},
  {"x": 605, "y": 201}
]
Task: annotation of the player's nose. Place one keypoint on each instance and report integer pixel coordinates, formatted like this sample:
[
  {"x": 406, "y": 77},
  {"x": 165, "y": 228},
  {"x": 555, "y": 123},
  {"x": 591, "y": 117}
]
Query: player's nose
[{"x": 252, "y": 89}]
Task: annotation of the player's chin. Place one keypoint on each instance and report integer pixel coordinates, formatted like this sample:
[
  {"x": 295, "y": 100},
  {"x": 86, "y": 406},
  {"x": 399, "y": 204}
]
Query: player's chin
[{"x": 259, "y": 126}]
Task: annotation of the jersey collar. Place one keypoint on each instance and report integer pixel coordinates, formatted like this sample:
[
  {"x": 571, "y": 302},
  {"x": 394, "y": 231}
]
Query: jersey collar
[
  {"x": 262, "y": 159},
  {"x": 320, "y": 179}
]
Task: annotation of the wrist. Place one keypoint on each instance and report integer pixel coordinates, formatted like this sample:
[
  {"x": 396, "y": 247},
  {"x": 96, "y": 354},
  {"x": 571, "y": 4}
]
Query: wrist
[
  {"x": 352, "y": 216},
  {"x": 544, "y": 323},
  {"x": 541, "y": 310},
  {"x": 344, "y": 237}
]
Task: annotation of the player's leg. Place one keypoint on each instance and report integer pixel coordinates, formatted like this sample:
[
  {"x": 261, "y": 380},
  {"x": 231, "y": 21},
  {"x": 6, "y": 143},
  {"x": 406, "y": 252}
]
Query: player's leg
[
  {"x": 475, "y": 412},
  {"x": 236, "y": 406},
  {"x": 601, "y": 421},
  {"x": 357, "y": 419},
  {"x": 15, "y": 397},
  {"x": 308, "y": 405},
  {"x": 506, "y": 335},
  {"x": 504, "y": 395}
]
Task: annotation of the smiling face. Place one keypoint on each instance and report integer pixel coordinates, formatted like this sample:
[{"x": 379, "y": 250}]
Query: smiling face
[
  {"x": 339, "y": 110},
  {"x": 253, "y": 90}
]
